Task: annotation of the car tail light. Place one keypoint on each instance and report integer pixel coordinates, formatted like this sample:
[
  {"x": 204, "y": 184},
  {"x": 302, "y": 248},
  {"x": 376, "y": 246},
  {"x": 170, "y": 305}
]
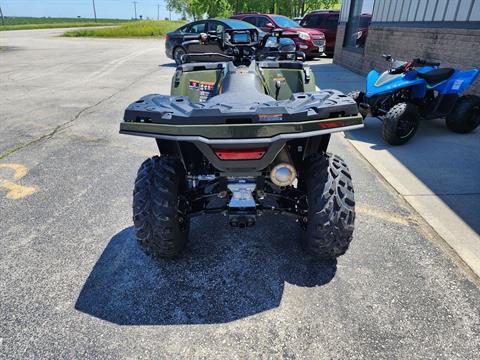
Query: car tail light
[
  {"x": 240, "y": 154},
  {"x": 167, "y": 37}
]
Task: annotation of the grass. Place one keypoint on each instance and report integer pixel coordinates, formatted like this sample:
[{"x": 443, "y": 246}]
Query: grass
[
  {"x": 147, "y": 28},
  {"x": 29, "y": 23}
]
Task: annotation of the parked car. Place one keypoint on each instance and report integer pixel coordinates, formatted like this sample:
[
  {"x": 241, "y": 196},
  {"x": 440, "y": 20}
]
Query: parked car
[
  {"x": 174, "y": 39},
  {"x": 325, "y": 21},
  {"x": 310, "y": 41}
]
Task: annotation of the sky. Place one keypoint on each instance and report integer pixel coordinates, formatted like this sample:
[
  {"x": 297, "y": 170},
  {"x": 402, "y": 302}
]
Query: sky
[{"x": 121, "y": 9}]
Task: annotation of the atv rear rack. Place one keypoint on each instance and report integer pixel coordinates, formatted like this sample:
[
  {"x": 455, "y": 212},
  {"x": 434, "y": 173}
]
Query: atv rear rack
[{"x": 303, "y": 115}]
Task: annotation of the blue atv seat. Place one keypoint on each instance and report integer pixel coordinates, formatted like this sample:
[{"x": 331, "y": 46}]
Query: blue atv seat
[{"x": 436, "y": 75}]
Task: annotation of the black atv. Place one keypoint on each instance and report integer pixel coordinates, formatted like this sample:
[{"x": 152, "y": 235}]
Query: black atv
[{"x": 244, "y": 135}]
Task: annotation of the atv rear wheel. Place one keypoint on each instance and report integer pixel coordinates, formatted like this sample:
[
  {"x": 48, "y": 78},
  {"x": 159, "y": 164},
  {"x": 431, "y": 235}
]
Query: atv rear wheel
[
  {"x": 331, "y": 206},
  {"x": 160, "y": 228},
  {"x": 400, "y": 123},
  {"x": 465, "y": 116}
]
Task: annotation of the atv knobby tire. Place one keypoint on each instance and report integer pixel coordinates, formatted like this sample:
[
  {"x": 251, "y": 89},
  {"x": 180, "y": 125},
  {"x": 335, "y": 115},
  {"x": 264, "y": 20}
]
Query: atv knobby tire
[
  {"x": 465, "y": 116},
  {"x": 400, "y": 123},
  {"x": 160, "y": 229},
  {"x": 331, "y": 206}
]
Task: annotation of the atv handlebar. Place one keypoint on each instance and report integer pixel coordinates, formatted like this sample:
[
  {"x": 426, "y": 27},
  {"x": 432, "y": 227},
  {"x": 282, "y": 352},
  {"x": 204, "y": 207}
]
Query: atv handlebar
[
  {"x": 241, "y": 45},
  {"x": 412, "y": 63}
]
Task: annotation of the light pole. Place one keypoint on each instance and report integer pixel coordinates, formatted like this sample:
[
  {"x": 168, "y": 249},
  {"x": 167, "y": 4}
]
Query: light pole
[
  {"x": 94, "y": 10},
  {"x": 135, "y": 8},
  {"x": 1, "y": 14},
  {"x": 158, "y": 11}
]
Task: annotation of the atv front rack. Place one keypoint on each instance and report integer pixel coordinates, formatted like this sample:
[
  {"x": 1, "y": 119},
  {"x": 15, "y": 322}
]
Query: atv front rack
[{"x": 303, "y": 115}]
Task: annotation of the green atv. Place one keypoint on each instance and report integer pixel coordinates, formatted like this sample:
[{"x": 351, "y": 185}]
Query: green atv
[{"x": 244, "y": 133}]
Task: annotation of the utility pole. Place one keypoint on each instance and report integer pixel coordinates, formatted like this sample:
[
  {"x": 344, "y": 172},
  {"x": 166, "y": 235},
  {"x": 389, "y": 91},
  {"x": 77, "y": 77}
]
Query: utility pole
[
  {"x": 94, "y": 10},
  {"x": 158, "y": 11},
  {"x": 1, "y": 14},
  {"x": 135, "y": 8}
]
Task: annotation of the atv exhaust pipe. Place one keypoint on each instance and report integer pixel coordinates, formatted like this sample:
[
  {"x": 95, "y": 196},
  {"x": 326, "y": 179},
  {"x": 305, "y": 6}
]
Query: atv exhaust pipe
[{"x": 283, "y": 174}]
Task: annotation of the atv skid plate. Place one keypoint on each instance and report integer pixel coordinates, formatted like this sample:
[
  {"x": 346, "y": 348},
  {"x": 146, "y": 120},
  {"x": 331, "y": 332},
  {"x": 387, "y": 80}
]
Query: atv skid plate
[{"x": 303, "y": 115}]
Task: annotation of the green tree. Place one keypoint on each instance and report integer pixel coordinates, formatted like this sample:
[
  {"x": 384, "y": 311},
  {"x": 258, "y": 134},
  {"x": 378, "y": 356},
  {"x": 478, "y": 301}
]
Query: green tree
[{"x": 198, "y": 9}]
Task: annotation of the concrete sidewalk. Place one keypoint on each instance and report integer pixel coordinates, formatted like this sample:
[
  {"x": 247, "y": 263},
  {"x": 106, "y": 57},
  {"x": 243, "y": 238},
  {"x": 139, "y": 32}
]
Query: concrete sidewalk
[{"x": 437, "y": 172}]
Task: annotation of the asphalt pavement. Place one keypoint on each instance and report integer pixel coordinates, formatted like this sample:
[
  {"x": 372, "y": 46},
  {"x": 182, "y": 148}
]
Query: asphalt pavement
[{"x": 74, "y": 283}]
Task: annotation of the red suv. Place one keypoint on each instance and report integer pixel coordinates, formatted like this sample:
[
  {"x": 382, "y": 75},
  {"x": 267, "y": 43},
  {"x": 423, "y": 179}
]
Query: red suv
[
  {"x": 310, "y": 41},
  {"x": 325, "y": 21}
]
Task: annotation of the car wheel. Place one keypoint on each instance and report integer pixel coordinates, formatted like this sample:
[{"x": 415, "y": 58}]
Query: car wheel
[{"x": 177, "y": 54}]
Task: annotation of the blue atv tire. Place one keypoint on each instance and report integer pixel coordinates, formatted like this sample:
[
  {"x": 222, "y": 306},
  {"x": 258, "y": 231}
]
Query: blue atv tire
[
  {"x": 400, "y": 123},
  {"x": 465, "y": 116}
]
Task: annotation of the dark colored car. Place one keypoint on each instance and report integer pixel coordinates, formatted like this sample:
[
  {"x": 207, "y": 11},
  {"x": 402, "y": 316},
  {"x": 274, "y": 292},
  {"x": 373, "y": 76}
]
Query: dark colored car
[
  {"x": 310, "y": 41},
  {"x": 325, "y": 21},
  {"x": 174, "y": 39}
]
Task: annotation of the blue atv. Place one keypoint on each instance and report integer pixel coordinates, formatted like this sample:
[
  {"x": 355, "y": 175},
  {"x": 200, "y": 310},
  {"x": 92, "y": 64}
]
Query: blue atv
[{"x": 417, "y": 89}]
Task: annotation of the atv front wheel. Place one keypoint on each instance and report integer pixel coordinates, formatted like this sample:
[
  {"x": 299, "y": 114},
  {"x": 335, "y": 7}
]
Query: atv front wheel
[
  {"x": 160, "y": 228},
  {"x": 400, "y": 123},
  {"x": 465, "y": 116},
  {"x": 331, "y": 206}
]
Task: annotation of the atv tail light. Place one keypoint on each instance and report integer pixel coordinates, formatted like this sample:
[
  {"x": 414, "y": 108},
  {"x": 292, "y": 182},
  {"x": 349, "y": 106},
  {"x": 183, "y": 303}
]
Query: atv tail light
[
  {"x": 329, "y": 124},
  {"x": 240, "y": 154}
]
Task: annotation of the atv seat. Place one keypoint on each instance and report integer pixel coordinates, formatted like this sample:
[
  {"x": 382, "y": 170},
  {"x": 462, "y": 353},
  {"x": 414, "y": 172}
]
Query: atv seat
[{"x": 436, "y": 75}]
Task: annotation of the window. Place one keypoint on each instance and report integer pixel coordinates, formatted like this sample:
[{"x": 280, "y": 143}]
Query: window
[
  {"x": 216, "y": 26},
  {"x": 251, "y": 19},
  {"x": 183, "y": 29},
  {"x": 312, "y": 21},
  {"x": 358, "y": 23},
  {"x": 332, "y": 22},
  {"x": 321, "y": 21},
  {"x": 198, "y": 28},
  {"x": 284, "y": 21},
  {"x": 262, "y": 21}
]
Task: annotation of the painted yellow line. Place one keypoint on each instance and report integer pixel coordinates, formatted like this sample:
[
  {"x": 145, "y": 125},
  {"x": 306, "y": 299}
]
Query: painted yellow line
[
  {"x": 16, "y": 191},
  {"x": 383, "y": 215}
]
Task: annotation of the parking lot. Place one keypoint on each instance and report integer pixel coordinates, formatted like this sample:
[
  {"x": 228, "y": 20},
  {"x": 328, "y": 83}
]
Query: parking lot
[{"x": 75, "y": 284}]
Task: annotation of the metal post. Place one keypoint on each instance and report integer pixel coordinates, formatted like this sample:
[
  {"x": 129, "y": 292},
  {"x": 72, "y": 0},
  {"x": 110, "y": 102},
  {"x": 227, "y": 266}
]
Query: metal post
[
  {"x": 158, "y": 11},
  {"x": 1, "y": 14},
  {"x": 94, "y": 10},
  {"x": 135, "y": 8}
]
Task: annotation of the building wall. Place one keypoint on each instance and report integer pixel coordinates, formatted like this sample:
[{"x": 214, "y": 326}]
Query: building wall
[
  {"x": 423, "y": 10},
  {"x": 453, "y": 39}
]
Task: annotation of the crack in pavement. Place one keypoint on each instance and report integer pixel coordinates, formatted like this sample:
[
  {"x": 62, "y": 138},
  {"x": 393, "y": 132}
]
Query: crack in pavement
[{"x": 60, "y": 127}]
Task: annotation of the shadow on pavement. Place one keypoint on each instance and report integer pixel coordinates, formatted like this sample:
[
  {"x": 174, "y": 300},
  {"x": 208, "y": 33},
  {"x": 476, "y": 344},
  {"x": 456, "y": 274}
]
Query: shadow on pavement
[
  {"x": 225, "y": 274},
  {"x": 171, "y": 65},
  {"x": 447, "y": 163}
]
